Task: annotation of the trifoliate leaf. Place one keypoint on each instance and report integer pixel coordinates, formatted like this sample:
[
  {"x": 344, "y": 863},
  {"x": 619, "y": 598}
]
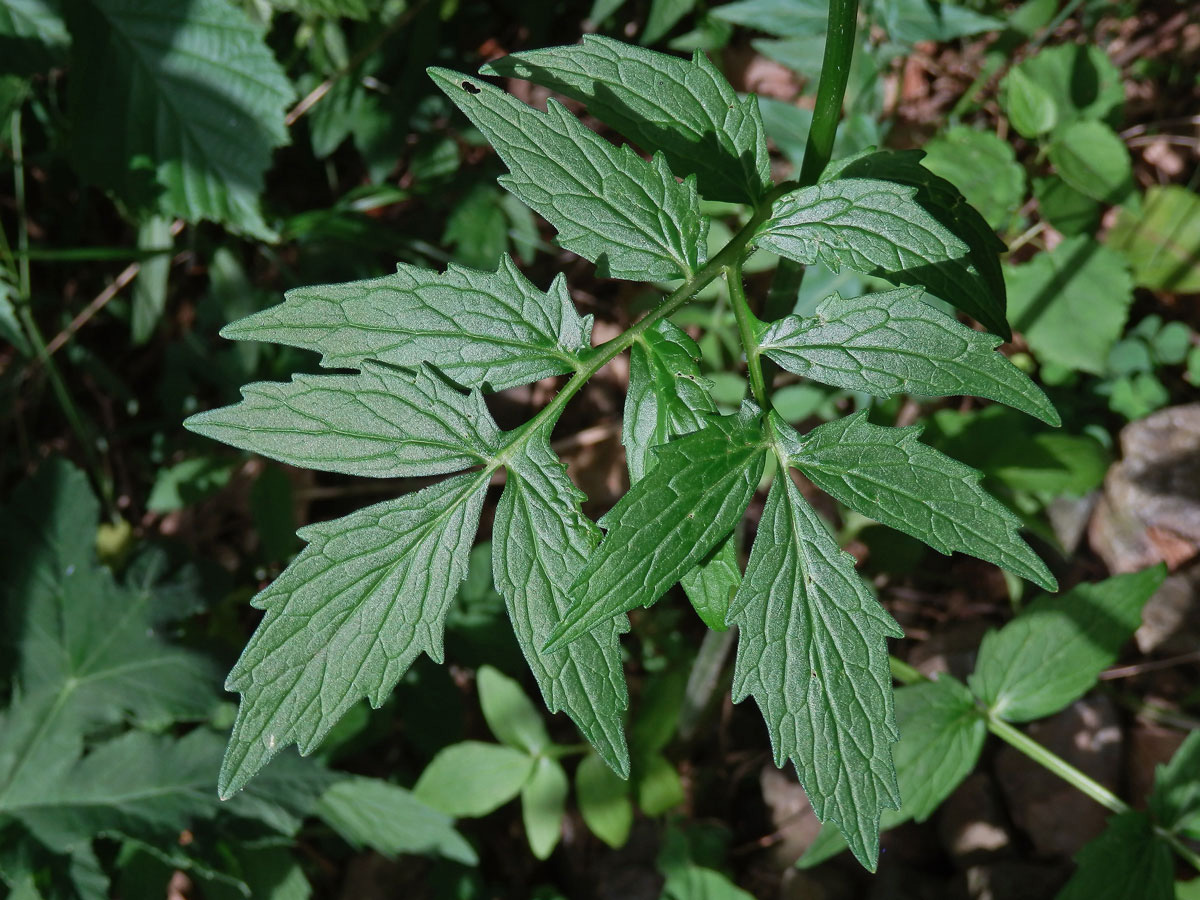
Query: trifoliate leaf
[
  {"x": 941, "y": 736},
  {"x": 509, "y": 714},
  {"x": 187, "y": 113},
  {"x": 368, "y": 812},
  {"x": 540, "y": 543},
  {"x": 1176, "y": 798},
  {"x": 543, "y": 804},
  {"x": 1127, "y": 862},
  {"x": 812, "y": 652},
  {"x": 603, "y": 801},
  {"x": 383, "y": 423},
  {"x": 1054, "y": 652},
  {"x": 629, "y": 216},
  {"x": 974, "y": 282},
  {"x": 1071, "y": 303},
  {"x": 483, "y": 329},
  {"x": 471, "y": 779},
  {"x": 889, "y": 343},
  {"x": 669, "y": 521},
  {"x": 666, "y": 398},
  {"x": 346, "y": 619},
  {"x": 889, "y": 476},
  {"x": 684, "y": 108}
]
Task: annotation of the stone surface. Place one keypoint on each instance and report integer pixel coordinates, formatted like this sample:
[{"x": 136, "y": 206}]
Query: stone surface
[{"x": 1058, "y": 818}]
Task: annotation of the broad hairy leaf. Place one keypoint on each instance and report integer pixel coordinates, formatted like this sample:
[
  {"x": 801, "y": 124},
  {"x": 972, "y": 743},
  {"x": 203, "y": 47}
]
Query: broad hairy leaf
[
  {"x": 669, "y": 521},
  {"x": 629, "y": 216},
  {"x": 1175, "y": 801},
  {"x": 346, "y": 619},
  {"x": 888, "y": 475},
  {"x": 1127, "y": 862},
  {"x": 890, "y": 342},
  {"x": 368, "y": 812},
  {"x": 1055, "y": 650},
  {"x": 384, "y": 423},
  {"x": 483, "y": 329},
  {"x": 666, "y": 398},
  {"x": 941, "y": 737},
  {"x": 869, "y": 225},
  {"x": 686, "y": 109},
  {"x": 812, "y": 651},
  {"x": 192, "y": 89},
  {"x": 472, "y": 778},
  {"x": 540, "y": 542},
  {"x": 972, "y": 282}
]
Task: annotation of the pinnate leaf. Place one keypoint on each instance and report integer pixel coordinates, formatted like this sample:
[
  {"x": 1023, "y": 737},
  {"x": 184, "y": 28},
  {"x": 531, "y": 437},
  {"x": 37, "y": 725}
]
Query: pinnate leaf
[
  {"x": 193, "y": 89},
  {"x": 383, "y": 422},
  {"x": 346, "y": 619},
  {"x": 1054, "y": 652},
  {"x": 941, "y": 736},
  {"x": 972, "y": 282},
  {"x": 812, "y": 652},
  {"x": 540, "y": 542},
  {"x": 483, "y": 329},
  {"x": 888, "y": 475},
  {"x": 889, "y": 343},
  {"x": 669, "y": 521},
  {"x": 684, "y": 108},
  {"x": 629, "y": 216}
]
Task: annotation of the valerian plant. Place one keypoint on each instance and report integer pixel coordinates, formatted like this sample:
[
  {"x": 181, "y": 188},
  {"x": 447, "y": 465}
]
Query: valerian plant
[{"x": 371, "y": 590}]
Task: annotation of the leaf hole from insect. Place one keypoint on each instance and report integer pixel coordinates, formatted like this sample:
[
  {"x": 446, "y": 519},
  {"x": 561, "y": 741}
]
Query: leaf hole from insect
[{"x": 469, "y": 88}]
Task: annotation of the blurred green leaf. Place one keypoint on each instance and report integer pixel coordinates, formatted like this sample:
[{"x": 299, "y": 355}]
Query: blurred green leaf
[
  {"x": 1162, "y": 239},
  {"x": 543, "y": 805},
  {"x": 513, "y": 719},
  {"x": 471, "y": 779},
  {"x": 604, "y": 802},
  {"x": 1091, "y": 158}
]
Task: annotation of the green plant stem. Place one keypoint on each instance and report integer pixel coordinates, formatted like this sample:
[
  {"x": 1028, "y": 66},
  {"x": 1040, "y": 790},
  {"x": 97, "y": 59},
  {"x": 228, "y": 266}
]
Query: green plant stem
[
  {"x": 835, "y": 73},
  {"x": 602, "y": 355},
  {"x": 747, "y": 331},
  {"x": 1017, "y": 739},
  {"x": 34, "y": 333}
]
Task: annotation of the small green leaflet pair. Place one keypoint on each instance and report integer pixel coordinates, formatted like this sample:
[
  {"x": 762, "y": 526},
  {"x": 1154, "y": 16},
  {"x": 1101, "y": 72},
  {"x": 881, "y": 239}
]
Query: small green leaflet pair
[{"x": 371, "y": 590}]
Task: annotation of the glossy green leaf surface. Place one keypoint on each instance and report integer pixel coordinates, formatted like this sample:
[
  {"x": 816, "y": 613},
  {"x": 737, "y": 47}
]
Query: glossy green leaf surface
[
  {"x": 684, "y": 108},
  {"x": 483, "y": 329},
  {"x": 1054, "y": 652},
  {"x": 888, "y": 475},
  {"x": 629, "y": 216},
  {"x": 890, "y": 342},
  {"x": 812, "y": 651},
  {"x": 669, "y": 521}
]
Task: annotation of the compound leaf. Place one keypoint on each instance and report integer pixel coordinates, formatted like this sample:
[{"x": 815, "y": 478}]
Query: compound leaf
[
  {"x": 669, "y": 521},
  {"x": 812, "y": 652},
  {"x": 192, "y": 89},
  {"x": 347, "y": 618},
  {"x": 941, "y": 736},
  {"x": 972, "y": 282},
  {"x": 865, "y": 224},
  {"x": 889, "y": 343},
  {"x": 684, "y": 108},
  {"x": 383, "y": 423},
  {"x": 1127, "y": 862},
  {"x": 629, "y": 216},
  {"x": 1054, "y": 652},
  {"x": 483, "y": 329},
  {"x": 889, "y": 476},
  {"x": 540, "y": 542}
]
